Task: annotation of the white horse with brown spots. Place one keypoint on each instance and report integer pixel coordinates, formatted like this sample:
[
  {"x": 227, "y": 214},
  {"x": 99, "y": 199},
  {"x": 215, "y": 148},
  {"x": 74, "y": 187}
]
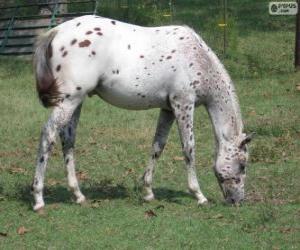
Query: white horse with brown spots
[{"x": 134, "y": 67}]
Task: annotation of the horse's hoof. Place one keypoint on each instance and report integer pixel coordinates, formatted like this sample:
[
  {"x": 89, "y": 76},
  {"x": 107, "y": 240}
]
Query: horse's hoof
[
  {"x": 203, "y": 202},
  {"x": 38, "y": 207},
  {"x": 81, "y": 200},
  {"x": 149, "y": 197}
]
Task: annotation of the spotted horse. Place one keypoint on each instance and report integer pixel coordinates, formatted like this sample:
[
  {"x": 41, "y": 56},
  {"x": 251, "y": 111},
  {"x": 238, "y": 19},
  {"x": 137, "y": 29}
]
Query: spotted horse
[{"x": 138, "y": 68}]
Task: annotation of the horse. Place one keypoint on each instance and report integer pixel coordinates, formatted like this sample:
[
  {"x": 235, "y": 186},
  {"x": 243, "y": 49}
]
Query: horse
[{"x": 138, "y": 68}]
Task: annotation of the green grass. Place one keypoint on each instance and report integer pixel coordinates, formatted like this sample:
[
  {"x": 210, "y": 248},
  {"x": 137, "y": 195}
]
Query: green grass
[{"x": 112, "y": 151}]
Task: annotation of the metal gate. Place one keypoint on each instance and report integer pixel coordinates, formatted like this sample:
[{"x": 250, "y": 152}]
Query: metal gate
[{"x": 20, "y": 24}]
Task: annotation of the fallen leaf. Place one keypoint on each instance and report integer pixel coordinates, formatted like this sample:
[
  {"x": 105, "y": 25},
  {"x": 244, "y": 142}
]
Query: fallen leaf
[
  {"x": 3, "y": 234},
  {"x": 178, "y": 158},
  {"x": 81, "y": 175},
  {"x": 149, "y": 214},
  {"x": 22, "y": 230}
]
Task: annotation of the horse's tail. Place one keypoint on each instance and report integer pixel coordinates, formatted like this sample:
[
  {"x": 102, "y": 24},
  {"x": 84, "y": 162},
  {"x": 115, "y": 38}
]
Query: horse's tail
[{"x": 46, "y": 84}]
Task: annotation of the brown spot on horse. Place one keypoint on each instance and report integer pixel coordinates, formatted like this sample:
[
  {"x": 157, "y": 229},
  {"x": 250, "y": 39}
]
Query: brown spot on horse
[
  {"x": 84, "y": 43},
  {"x": 65, "y": 53},
  {"x": 73, "y": 41}
]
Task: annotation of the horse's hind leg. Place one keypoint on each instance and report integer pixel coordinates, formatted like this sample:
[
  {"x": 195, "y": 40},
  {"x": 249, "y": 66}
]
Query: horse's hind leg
[
  {"x": 184, "y": 114},
  {"x": 67, "y": 136},
  {"x": 59, "y": 117},
  {"x": 165, "y": 121}
]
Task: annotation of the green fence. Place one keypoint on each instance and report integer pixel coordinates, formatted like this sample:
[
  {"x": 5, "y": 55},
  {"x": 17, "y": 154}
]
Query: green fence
[{"x": 19, "y": 24}]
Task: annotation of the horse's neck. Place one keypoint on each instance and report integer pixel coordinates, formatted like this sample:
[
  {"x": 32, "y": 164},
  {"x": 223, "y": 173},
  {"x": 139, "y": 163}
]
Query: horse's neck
[{"x": 223, "y": 109}]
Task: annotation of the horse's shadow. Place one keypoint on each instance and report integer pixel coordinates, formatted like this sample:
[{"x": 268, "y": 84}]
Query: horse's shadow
[{"x": 101, "y": 191}]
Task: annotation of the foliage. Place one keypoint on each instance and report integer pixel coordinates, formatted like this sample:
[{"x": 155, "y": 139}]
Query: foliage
[{"x": 139, "y": 12}]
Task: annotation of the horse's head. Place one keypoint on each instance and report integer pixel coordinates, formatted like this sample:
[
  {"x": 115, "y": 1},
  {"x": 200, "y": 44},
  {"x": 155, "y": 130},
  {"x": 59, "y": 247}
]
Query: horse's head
[{"x": 230, "y": 168}]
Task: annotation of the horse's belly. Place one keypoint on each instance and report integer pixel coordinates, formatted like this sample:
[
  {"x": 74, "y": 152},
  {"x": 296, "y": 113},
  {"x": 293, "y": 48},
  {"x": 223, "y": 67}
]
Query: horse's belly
[{"x": 132, "y": 97}]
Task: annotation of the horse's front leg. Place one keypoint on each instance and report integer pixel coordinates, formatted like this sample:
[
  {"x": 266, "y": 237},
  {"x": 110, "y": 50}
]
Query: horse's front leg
[
  {"x": 165, "y": 121},
  {"x": 59, "y": 117},
  {"x": 67, "y": 136},
  {"x": 184, "y": 113}
]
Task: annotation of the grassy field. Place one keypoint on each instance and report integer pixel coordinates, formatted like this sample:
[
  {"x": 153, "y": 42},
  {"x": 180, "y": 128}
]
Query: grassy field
[{"x": 113, "y": 146}]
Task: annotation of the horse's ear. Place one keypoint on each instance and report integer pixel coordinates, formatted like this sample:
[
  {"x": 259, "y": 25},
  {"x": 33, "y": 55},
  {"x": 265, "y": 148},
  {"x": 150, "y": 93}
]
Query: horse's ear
[{"x": 248, "y": 138}]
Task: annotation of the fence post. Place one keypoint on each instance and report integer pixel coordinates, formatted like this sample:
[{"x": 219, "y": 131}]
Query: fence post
[
  {"x": 53, "y": 16},
  {"x": 297, "y": 45},
  {"x": 96, "y": 7}
]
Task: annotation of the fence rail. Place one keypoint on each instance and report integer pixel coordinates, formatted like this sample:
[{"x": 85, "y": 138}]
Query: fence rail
[{"x": 45, "y": 4}]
